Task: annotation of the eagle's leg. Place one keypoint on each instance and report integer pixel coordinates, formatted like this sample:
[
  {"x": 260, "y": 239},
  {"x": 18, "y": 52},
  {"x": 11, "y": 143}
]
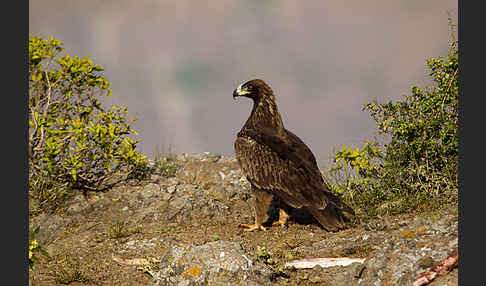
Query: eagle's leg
[
  {"x": 283, "y": 215},
  {"x": 263, "y": 200}
]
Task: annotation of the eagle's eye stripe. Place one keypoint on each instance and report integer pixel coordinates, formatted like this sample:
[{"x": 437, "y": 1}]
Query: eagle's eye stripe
[{"x": 242, "y": 90}]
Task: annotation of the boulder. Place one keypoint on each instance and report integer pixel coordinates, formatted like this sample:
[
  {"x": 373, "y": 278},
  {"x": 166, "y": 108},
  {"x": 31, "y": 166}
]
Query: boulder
[{"x": 214, "y": 263}]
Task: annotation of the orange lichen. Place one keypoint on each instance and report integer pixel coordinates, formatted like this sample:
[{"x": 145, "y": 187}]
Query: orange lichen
[
  {"x": 408, "y": 233},
  {"x": 421, "y": 228},
  {"x": 195, "y": 270}
]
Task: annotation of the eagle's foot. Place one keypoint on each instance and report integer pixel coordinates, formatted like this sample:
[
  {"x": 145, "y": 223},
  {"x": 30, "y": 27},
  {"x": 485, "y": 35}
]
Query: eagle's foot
[
  {"x": 252, "y": 227},
  {"x": 281, "y": 223},
  {"x": 283, "y": 216}
]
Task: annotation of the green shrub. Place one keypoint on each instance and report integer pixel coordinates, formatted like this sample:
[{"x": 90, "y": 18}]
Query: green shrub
[
  {"x": 165, "y": 163},
  {"x": 73, "y": 141},
  {"x": 118, "y": 229},
  {"x": 68, "y": 266},
  {"x": 355, "y": 168},
  {"x": 417, "y": 168}
]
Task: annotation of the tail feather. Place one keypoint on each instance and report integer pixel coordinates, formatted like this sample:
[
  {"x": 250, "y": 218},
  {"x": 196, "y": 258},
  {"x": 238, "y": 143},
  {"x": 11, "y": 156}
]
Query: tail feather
[
  {"x": 342, "y": 206},
  {"x": 328, "y": 198},
  {"x": 330, "y": 218}
]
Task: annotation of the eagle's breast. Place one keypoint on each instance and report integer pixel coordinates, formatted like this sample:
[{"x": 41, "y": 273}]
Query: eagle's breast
[{"x": 259, "y": 162}]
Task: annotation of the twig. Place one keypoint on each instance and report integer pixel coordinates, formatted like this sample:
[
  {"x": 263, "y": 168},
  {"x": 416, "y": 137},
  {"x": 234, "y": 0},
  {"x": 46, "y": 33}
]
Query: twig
[
  {"x": 448, "y": 87},
  {"x": 49, "y": 90},
  {"x": 440, "y": 269}
]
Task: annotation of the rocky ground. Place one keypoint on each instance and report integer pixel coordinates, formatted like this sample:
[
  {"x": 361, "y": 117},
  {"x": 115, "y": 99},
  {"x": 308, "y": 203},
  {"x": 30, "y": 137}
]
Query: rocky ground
[{"x": 183, "y": 230}]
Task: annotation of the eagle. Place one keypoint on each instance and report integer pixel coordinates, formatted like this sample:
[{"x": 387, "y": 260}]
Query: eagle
[{"x": 280, "y": 166}]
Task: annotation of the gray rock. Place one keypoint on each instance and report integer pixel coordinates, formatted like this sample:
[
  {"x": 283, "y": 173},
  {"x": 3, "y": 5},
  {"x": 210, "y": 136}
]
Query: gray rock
[
  {"x": 190, "y": 204},
  {"x": 78, "y": 205},
  {"x": 214, "y": 263},
  {"x": 150, "y": 191},
  {"x": 343, "y": 246},
  {"x": 409, "y": 252},
  {"x": 395, "y": 257},
  {"x": 205, "y": 171},
  {"x": 50, "y": 226}
]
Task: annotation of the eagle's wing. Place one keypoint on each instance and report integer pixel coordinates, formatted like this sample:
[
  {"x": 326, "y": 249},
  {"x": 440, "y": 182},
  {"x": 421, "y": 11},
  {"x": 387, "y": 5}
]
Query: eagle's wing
[
  {"x": 283, "y": 165},
  {"x": 288, "y": 147},
  {"x": 306, "y": 154}
]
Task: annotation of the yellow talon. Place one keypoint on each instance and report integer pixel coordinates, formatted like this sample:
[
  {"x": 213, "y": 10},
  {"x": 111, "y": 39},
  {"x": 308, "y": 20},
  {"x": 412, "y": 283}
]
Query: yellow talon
[
  {"x": 252, "y": 227},
  {"x": 279, "y": 223}
]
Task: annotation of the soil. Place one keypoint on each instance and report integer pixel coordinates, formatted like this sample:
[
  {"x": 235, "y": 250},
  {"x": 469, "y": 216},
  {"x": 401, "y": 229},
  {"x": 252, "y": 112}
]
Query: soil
[{"x": 121, "y": 236}]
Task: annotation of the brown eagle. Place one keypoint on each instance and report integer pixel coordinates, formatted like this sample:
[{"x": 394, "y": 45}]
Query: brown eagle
[{"x": 277, "y": 163}]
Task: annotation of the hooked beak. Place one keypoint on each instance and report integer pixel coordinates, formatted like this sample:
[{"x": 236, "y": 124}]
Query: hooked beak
[
  {"x": 239, "y": 92},
  {"x": 235, "y": 94}
]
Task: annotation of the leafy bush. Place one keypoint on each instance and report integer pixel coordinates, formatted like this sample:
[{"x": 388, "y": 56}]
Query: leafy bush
[
  {"x": 417, "y": 168},
  {"x": 355, "y": 168},
  {"x": 73, "y": 140}
]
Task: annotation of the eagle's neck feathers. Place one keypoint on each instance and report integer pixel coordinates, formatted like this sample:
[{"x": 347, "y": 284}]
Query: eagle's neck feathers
[{"x": 265, "y": 115}]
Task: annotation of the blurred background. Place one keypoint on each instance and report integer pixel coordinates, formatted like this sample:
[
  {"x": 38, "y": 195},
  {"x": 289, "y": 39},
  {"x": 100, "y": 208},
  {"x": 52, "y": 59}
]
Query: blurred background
[{"x": 175, "y": 64}]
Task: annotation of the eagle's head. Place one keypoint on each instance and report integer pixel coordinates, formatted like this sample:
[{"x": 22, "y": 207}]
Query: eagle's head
[
  {"x": 255, "y": 89},
  {"x": 264, "y": 113}
]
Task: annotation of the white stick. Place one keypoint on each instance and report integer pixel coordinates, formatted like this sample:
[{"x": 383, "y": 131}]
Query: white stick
[{"x": 323, "y": 262}]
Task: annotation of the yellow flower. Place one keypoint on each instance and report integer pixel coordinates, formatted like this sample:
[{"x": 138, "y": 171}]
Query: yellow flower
[{"x": 33, "y": 244}]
